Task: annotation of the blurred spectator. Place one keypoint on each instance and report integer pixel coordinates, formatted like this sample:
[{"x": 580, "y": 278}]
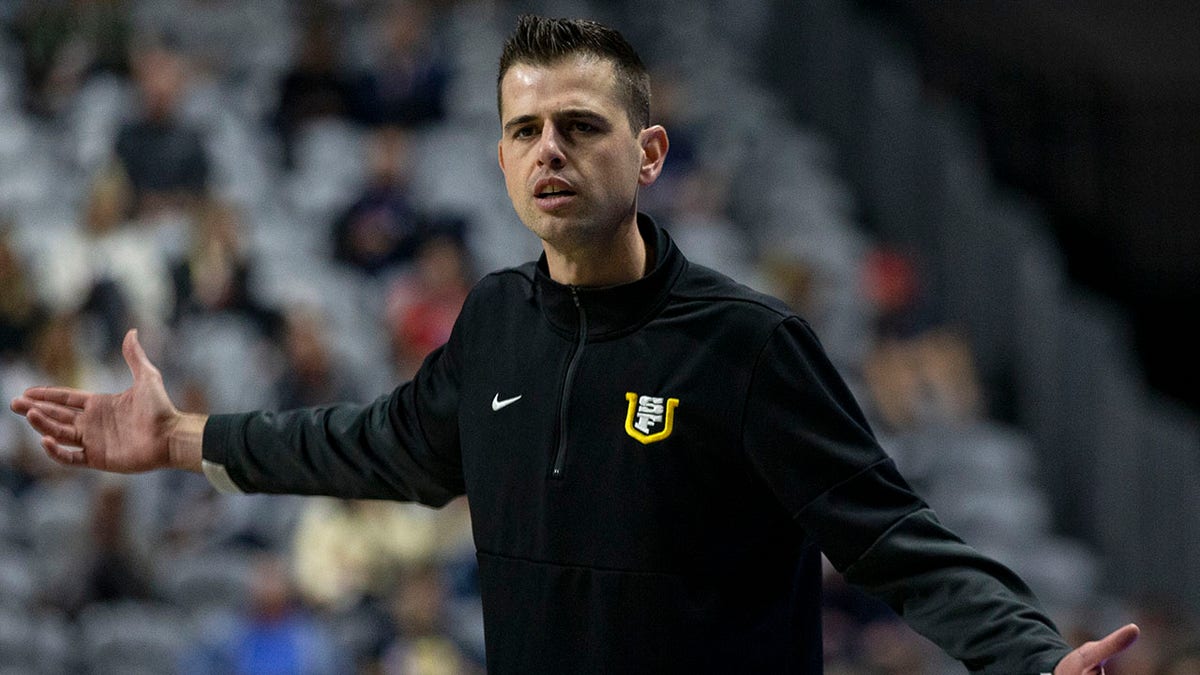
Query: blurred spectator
[
  {"x": 926, "y": 379},
  {"x": 164, "y": 157},
  {"x": 380, "y": 229},
  {"x": 422, "y": 645},
  {"x": 892, "y": 283},
  {"x": 313, "y": 374},
  {"x": 218, "y": 37},
  {"x": 795, "y": 281},
  {"x": 57, "y": 357},
  {"x": 348, "y": 549},
  {"x": 316, "y": 87},
  {"x": 699, "y": 222},
  {"x": 423, "y": 305},
  {"x": 919, "y": 373},
  {"x": 278, "y": 634},
  {"x": 65, "y": 41},
  {"x": 22, "y": 319},
  {"x": 670, "y": 109},
  {"x": 19, "y": 310},
  {"x": 349, "y": 556},
  {"x": 690, "y": 198},
  {"x": 111, "y": 268},
  {"x": 215, "y": 276},
  {"x": 116, "y": 571},
  {"x": 406, "y": 83}
]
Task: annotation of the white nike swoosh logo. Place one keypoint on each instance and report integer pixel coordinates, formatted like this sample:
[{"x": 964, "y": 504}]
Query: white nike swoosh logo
[{"x": 498, "y": 404}]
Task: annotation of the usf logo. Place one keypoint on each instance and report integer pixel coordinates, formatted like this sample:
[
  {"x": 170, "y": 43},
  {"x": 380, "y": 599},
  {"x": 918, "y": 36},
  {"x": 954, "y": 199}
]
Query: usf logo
[{"x": 650, "y": 418}]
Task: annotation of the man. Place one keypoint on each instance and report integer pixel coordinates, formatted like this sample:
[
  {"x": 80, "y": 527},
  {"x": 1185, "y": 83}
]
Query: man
[{"x": 653, "y": 454}]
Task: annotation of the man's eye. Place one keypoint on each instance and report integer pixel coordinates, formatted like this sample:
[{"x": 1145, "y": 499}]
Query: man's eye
[
  {"x": 523, "y": 132},
  {"x": 583, "y": 127}
]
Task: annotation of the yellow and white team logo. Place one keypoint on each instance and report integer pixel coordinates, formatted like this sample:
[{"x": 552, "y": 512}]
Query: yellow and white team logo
[{"x": 650, "y": 418}]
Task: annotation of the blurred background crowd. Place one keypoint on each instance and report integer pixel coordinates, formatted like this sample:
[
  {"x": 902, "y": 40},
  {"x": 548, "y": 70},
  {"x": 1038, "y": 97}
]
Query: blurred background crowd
[{"x": 290, "y": 201}]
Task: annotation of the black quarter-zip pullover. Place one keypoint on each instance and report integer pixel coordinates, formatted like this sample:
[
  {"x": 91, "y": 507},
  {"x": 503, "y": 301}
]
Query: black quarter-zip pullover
[{"x": 657, "y": 498}]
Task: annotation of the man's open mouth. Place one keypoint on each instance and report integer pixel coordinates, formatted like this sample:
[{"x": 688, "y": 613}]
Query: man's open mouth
[{"x": 554, "y": 192}]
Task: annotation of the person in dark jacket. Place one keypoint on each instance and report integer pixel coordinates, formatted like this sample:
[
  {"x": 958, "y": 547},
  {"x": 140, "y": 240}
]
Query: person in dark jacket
[{"x": 654, "y": 455}]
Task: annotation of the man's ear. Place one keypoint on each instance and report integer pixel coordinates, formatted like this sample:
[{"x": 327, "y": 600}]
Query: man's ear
[
  {"x": 654, "y": 152},
  {"x": 500, "y": 153}
]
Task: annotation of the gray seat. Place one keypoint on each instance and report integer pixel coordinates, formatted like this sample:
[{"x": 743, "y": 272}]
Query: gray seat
[
  {"x": 18, "y": 651},
  {"x": 18, "y": 584},
  {"x": 217, "y": 580},
  {"x": 132, "y": 637}
]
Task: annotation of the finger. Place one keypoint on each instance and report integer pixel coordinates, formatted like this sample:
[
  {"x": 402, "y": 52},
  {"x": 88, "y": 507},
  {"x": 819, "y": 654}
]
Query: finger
[
  {"x": 75, "y": 398},
  {"x": 58, "y": 413},
  {"x": 46, "y": 426},
  {"x": 135, "y": 356},
  {"x": 1096, "y": 653},
  {"x": 62, "y": 455}
]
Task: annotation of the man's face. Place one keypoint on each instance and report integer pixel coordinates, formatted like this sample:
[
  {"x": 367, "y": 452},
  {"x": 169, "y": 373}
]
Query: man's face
[{"x": 571, "y": 163}]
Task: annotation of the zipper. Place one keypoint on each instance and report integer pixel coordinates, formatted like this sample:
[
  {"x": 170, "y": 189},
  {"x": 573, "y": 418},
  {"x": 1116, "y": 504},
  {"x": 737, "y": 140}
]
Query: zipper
[{"x": 560, "y": 455}]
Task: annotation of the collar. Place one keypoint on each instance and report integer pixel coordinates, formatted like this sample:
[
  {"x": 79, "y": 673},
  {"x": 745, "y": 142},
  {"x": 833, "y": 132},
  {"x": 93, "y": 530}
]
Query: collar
[{"x": 612, "y": 310}]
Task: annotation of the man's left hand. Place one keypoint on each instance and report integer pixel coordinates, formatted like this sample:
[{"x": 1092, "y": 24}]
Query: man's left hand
[{"x": 1089, "y": 658}]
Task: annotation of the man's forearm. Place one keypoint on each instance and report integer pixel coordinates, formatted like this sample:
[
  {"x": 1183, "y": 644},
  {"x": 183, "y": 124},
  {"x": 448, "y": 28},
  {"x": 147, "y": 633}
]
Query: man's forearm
[{"x": 974, "y": 608}]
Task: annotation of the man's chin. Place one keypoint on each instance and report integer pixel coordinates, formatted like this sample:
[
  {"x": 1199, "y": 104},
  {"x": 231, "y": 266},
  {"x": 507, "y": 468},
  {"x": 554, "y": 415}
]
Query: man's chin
[
  {"x": 553, "y": 226},
  {"x": 565, "y": 234},
  {"x": 567, "y": 230}
]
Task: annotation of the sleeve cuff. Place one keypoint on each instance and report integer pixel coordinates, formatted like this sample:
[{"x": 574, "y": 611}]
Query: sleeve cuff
[
  {"x": 219, "y": 478},
  {"x": 219, "y": 434}
]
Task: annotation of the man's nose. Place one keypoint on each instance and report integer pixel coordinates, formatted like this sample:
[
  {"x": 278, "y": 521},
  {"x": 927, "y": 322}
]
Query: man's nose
[{"x": 550, "y": 148}]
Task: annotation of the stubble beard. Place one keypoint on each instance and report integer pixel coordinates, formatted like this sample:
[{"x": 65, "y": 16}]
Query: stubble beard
[{"x": 577, "y": 234}]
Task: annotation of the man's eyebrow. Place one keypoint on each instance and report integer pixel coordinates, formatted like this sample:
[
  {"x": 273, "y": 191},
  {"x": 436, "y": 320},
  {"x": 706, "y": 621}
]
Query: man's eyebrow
[
  {"x": 583, "y": 113},
  {"x": 568, "y": 113},
  {"x": 518, "y": 121},
  {"x": 578, "y": 112}
]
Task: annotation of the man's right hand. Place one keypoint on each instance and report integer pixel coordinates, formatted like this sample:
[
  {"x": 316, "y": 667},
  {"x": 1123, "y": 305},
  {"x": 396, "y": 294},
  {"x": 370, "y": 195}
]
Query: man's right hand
[{"x": 136, "y": 430}]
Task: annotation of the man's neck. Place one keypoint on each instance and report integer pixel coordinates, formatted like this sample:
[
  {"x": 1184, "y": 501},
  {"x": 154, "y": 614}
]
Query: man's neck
[{"x": 624, "y": 258}]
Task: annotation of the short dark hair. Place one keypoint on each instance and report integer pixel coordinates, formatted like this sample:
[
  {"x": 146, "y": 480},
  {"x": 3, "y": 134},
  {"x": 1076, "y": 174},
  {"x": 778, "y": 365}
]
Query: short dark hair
[{"x": 541, "y": 41}]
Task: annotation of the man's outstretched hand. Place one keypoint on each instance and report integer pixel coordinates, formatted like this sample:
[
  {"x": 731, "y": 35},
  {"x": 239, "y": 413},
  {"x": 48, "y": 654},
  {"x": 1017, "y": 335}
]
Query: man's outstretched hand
[
  {"x": 1089, "y": 658},
  {"x": 136, "y": 430}
]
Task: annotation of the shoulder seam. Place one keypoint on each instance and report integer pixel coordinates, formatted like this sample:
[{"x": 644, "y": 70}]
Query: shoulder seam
[
  {"x": 519, "y": 270},
  {"x": 783, "y": 316}
]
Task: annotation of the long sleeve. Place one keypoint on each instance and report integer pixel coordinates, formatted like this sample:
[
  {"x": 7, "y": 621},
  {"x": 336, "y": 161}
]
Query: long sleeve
[
  {"x": 819, "y": 457},
  {"x": 402, "y": 446}
]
